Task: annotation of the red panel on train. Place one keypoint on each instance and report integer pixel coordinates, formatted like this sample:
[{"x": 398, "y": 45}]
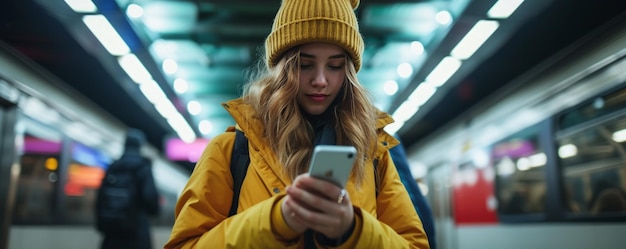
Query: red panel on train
[{"x": 473, "y": 197}]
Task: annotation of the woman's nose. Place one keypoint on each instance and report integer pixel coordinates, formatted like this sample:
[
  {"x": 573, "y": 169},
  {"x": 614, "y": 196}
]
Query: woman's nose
[{"x": 319, "y": 80}]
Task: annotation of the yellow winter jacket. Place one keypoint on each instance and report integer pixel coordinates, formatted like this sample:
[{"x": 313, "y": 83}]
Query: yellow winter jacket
[{"x": 202, "y": 221}]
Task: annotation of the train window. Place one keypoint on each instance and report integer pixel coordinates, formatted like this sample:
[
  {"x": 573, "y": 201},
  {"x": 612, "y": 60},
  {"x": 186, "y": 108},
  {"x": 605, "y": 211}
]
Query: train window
[
  {"x": 39, "y": 164},
  {"x": 85, "y": 171},
  {"x": 592, "y": 157},
  {"x": 519, "y": 162},
  {"x": 594, "y": 109}
]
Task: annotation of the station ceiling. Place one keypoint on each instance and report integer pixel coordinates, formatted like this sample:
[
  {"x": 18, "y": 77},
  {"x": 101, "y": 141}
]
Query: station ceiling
[{"x": 214, "y": 42}]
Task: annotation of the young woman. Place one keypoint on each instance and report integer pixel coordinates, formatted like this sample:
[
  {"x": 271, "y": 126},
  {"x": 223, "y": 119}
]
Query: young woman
[{"x": 309, "y": 95}]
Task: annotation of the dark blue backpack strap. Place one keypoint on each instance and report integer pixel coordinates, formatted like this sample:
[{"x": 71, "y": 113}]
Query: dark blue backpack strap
[
  {"x": 238, "y": 167},
  {"x": 376, "y": 177}
]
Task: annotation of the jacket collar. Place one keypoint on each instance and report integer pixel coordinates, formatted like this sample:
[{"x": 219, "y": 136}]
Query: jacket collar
[{"x": 248, "y": 122}]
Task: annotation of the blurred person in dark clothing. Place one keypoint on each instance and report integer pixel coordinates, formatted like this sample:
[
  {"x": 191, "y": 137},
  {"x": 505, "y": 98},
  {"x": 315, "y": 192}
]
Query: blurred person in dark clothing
[{"x": 127, "y": 197}]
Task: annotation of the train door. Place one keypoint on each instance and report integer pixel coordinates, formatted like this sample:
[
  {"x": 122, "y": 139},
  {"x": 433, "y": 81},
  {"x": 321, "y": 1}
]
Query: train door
[
  {"x": 9, "y": 170},
  {"x": 439, "y": 183}
]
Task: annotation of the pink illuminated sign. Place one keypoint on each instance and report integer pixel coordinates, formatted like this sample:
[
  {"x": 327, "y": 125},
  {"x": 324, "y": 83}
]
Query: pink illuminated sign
[{"x": 177, "y": 150}]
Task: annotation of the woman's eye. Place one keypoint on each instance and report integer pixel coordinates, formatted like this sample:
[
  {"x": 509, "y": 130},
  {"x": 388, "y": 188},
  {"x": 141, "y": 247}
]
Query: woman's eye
[
  {"x": 305, "y": 66},
  {"x": 336, "y": 67}
]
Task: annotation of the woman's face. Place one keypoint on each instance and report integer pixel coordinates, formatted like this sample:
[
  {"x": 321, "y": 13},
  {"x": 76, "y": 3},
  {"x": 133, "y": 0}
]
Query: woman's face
[{"x": 322, "y": 73}]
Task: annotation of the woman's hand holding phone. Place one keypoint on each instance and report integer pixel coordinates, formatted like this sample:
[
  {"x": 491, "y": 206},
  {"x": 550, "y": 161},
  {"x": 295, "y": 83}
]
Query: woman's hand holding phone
[{"x": 317, "y": 204}]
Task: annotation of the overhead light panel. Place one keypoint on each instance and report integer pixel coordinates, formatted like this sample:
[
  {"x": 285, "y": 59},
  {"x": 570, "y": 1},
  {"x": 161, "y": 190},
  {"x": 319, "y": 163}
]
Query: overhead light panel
[
  {"x": 82, "y": 6},
  {"x": 194, "y": 107},
  {"x": 405, "y": 111},
  {"x": 411, "y": 105},
  {"x": 443, "y": 71},
  {"x": 538, "y": 160},
  {"x": 170, "y": 66},
  {"x": 567, "y": 151},
  {"x": 205, "y": 127},
  {"x": 417, "y": 47},
  {"x": 421, "y": 94},
  {"x": 390, "y": 87},
  {"x": 181, "y": 86},
  {"x": 106, "y": 34},
  {"x": 135, "y": 69},
  {"x": 504, "y": 8},
  {"x": 166, "y": 109},
  {"x": 443, "y": 17},
  {"x": 405, "y": 70},
  {"x": 523, "y": 164},
  {"x": 619, "y": 136},
  {"x": 475, "y": 38},
  {"x": 182, "y": 128},
  {"x": 134, "y": 11},
  {"x": 152, "y": 91}
]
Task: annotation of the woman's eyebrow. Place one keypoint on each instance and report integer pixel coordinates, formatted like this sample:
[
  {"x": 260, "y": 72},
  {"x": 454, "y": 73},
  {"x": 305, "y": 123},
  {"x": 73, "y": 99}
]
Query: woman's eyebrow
[{"x": 329, "y": 57}]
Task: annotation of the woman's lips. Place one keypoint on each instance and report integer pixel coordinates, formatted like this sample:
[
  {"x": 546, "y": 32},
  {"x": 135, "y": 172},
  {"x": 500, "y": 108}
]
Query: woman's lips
[{"x": 318, "y": 97}]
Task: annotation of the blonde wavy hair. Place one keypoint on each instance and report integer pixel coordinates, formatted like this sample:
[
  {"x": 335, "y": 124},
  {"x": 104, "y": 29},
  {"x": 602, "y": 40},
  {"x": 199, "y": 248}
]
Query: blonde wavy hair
[{"x": 272, "y": 92}]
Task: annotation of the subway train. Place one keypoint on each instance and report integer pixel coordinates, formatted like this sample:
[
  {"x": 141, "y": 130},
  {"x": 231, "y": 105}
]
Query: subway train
[
  {"x": 54, "y": 148},
  {"x": 542, "y": 162}
]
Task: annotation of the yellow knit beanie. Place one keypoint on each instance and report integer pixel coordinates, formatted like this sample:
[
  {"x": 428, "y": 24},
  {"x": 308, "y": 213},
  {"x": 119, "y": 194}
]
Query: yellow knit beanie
[{"x": 304, "y": 21}]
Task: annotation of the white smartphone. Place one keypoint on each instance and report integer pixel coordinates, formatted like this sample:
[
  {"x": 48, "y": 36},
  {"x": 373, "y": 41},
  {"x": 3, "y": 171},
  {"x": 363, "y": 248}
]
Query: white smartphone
[{"x": 333, "y": 163}]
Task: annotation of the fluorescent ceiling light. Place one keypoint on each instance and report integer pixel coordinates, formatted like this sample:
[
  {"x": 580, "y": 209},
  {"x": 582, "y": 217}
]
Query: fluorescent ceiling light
[
  {"x": 182, "y": 128},
  {"x": 475, "y": 38},
  {"x": 523, "y": 164},
  {"x": 106, "y": 34},
  {"x": 505, "y": 167},
  {"x": 135, "y": 69},
  {"x": 567, "y": 150},
  {"x": 539, "y": 159},
  {"x": 155, "y": 94},
  {"x": 181, "y": 86},
  {"x": 443, "y": 71},
  {"x": 421, "y": 94},
  {"x": 82, "y": 6},
  {"x": 205, "y": 127},
  {"x": 390, "y": 87},
  {"x": 417, "y": 47},
  {"x": 170, "y": 66},
  {"x": 619, "y": 136},
  {"x": 194, "y": 107},
  {"x": 134, "y": 11},
  {"x": 166, "y": 109},
  {"x": 504, "y": 8},
  {"x": 152, "y": 91},
  {"x": 443, "y": 17},
  {"x": 404, "y": 70},
  {"x": 405, "y": 111}
]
